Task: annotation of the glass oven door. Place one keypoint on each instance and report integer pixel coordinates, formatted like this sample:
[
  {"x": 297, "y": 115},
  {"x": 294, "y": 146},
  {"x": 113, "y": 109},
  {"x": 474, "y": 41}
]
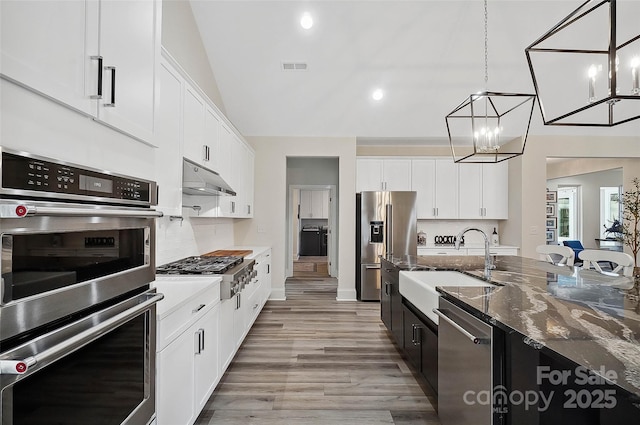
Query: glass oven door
[{"x": 98, "y": 370}]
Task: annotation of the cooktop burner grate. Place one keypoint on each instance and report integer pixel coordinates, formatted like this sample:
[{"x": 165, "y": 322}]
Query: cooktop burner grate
[{"x": 200, "y": 265}]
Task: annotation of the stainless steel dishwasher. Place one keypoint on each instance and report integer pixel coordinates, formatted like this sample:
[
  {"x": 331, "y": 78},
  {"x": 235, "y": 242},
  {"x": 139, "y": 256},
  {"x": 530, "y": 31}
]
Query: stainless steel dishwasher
[{"x": 465, "y": 372}]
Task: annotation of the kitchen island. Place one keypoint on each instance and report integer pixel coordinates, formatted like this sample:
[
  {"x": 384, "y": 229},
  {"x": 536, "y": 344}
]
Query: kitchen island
[{"x": 568, "y": 331}]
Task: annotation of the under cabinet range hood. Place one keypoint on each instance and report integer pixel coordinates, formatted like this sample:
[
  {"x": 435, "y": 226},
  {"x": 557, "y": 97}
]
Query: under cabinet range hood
[{"x": 198, "y": 180}]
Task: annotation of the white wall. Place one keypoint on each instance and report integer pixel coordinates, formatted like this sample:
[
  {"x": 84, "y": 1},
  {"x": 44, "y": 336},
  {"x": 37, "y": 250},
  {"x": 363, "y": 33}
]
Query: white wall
[
  {"x": 528, "y": 180},
  {"x": 269, "y": 224},
  {"x": 181, "y": 38}
]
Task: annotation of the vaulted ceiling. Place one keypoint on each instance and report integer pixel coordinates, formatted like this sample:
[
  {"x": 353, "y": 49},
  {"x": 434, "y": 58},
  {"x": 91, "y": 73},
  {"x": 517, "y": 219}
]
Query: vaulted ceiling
[{"x": 427, "y": 56}]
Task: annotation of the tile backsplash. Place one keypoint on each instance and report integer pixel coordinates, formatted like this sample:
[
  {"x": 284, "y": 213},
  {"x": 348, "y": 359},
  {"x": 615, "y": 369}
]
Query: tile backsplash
[
  {"x": 192, "y": 236},
  {"x": 451, "y": 227}
]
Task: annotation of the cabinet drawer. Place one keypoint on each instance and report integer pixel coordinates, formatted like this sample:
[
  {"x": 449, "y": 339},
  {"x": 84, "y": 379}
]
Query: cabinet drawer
[
  {"x": 494, "y": 251},
  {"x": 442, "y": 251},
  {"x": 176, "y": 322}
]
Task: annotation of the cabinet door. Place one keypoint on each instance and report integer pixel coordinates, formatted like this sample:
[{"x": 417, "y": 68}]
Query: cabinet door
[
  {"x": 495, "y": 190},
  {"x": 471, "y": 191},
  {"x": 130, "y": 44},
  {"x": 45, "y": 47},
  {"x": 306, "y": 209},
  {"x": 226, "y": 340},
  {"x": 320, "y": 203},
  {"x": 385, "y": 297},
  {"x": 249, "y": 183},
  {"x": 423, "y": 181},
  {"x": 429, "y": 355},
  {"x": 396, "y": 174},
  {"x": 175, "y": 386},
  {"x": 168, "y": 164},
  {"x": 412, "y": 343},
  {"x": 238, "y": 176},
  {"x": 368, "y": 175},
  {"x": 225, "y": 151},
  {"x": 211, "y": 138},
  {"x": 240, "y": 318},
  {"x": 193, "y": 126},
  {"x": 446, "y": 198},
  {"x": 206, "y": 356}
]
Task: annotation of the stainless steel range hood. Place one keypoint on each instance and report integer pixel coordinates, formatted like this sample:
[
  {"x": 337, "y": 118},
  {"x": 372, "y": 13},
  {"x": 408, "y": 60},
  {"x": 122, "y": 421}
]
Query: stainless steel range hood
[{"x": 198, "y": 180}]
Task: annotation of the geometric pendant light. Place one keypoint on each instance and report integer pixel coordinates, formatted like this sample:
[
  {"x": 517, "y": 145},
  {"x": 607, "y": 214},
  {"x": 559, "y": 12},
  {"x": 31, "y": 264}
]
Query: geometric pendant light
[
  {"x": 586, "y": 69},
  {"x": 489, "y": 127}
]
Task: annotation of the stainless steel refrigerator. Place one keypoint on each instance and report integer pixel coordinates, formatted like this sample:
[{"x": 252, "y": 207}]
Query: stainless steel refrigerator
[{"x": 386, "y": 225}]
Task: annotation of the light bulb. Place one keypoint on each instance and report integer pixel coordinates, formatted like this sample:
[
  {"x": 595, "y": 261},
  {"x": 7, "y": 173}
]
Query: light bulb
[
  {"x": 635, "y": 75},
  {"x": 377, "y": 94},
  {"x": 593, "y": 71},
  {"x": 306, "y": 21}
]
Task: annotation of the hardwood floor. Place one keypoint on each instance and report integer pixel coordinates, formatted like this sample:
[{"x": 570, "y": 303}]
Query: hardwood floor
[{"x": 313, "y": 360}]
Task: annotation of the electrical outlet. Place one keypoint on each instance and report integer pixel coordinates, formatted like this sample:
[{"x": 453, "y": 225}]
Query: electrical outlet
[
  {"x": 261, "y": 229},
  {"x": 533, "y": 230}
]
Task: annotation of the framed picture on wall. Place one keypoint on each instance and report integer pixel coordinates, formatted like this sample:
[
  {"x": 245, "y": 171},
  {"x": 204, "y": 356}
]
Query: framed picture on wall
[
  {"x": 551, "y": 210},
  {"x": 551, "y": 235},
  {"x": 552, "y": 196},
  {"x": 551, "y": 223}
]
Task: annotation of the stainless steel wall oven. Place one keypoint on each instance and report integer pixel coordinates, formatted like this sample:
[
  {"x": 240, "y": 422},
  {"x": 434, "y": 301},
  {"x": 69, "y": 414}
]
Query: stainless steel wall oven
[{"x": 77, "y": 317}]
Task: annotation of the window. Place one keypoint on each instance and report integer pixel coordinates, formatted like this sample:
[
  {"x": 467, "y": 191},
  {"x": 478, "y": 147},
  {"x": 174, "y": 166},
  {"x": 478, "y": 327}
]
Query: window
[
  {"x": 568, "y": 213},
  {"x": 610, "y": 209}
]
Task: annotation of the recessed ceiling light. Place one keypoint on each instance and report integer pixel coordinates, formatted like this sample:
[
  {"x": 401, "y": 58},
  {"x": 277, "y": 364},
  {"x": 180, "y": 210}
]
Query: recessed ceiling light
[
  {"x": 306, "y": 21},
  {"x": 377, "y": 94}
]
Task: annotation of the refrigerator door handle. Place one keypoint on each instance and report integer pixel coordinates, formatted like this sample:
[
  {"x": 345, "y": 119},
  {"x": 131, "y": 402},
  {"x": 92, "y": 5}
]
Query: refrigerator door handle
[{"x": 389, "y": 230}]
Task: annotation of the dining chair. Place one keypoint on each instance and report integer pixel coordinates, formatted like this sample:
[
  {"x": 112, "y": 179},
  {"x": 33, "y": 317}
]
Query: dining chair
[
  {"x": 548, "y": 252},
  {"x": 623, "y": 261},
  {"x": 577, "y": 249}
]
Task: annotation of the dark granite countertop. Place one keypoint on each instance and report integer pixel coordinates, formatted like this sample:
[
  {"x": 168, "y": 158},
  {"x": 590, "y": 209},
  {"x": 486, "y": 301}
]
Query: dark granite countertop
[{"x": 587, "y": 317}]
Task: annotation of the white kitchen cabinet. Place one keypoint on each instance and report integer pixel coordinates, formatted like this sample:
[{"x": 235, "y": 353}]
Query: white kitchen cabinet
[
  {"x": 233, "y": 315},
  {"x": 187, "y": 347},
  {"x": 60, "y": 49},
  {"x": 314, "y": 204},
  {"x": 193, "y": 126},
  {"x": 484, "y": 191},
  {"x": 383, "y": 174},
  {"x": 239, "y": 177},
  {"x": 436, "y": 184},
  {"x": 263, "y": 268},
  {"x": 168, "y": 172}
]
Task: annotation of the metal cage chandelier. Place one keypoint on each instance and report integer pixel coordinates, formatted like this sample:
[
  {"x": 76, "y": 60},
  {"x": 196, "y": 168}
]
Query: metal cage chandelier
[
  {"x": 489, "y": 127},
  {"x": 586, "y": 69}
]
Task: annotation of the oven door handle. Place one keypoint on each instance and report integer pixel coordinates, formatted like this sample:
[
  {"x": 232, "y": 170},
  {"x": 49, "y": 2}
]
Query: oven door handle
[
  {"x": 81, "y": 339},
  {"x": 25, "y": 210}
]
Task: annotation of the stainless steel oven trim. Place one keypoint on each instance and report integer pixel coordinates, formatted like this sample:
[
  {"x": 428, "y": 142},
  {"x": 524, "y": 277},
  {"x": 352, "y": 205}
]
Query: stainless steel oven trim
[
  {"x": 57, "y": 196},
  {"x": 46, "y": 349},
  {"x": 10, "y": 210}
]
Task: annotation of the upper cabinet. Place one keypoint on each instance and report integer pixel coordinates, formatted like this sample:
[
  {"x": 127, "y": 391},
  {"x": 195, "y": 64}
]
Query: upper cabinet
[
  {"x": 189, "y": 125},
  {"x": 83, "y": 54},
  {"x": 445, "y": 190},
  {"x": 436, "y": 184},
  {"x": 314, "y": 204},
  {"x": 484, "y": 191},
  {"x": 383, "y": 174}
]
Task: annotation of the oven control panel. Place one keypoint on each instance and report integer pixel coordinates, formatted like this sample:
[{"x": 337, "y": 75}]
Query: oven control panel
[{"x": 37, "y": 176}]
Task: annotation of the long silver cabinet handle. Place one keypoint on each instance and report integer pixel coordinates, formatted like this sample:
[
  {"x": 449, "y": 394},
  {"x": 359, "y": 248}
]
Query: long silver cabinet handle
[
  {"x": 81, "y": 339},
  {"x": 24, "y": 210},
  {"x": 462, "y": 330},
  {"x": 113, "y": 87}
]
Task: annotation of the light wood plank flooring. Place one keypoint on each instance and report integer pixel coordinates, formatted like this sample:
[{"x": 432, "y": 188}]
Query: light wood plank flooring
[{"x": 313, "y": 360}]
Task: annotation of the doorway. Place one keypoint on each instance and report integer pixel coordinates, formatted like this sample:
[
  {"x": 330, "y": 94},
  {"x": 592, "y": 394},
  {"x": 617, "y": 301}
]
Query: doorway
[{"x": 312, "y": 227}]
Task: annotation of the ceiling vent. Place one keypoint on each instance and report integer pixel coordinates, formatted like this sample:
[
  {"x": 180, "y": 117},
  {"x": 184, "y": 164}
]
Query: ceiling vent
[{"x": 294, "y": 66}]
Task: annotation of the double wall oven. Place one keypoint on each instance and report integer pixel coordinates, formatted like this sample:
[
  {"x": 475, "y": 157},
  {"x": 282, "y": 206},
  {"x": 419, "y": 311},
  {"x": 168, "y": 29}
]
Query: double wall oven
[{"x": 77, "y": 315}]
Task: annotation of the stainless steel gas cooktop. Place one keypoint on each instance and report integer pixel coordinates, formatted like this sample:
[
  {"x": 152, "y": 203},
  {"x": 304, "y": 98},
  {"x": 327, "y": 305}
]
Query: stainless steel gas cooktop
[{"x": 200, "y": 265}]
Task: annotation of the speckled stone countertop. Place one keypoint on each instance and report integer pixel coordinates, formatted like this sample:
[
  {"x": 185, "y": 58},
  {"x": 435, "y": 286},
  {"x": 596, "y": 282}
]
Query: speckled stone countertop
[{"x": 587, "y": 317}]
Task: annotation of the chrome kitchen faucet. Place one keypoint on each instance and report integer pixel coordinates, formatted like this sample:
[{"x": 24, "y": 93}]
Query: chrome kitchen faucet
[{"x": 488, "y": 263}]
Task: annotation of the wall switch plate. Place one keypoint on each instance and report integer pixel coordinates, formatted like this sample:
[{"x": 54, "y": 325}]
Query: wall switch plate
[
  {"x": 533, "y": 230},
  {"x": 261, "y": 229}
]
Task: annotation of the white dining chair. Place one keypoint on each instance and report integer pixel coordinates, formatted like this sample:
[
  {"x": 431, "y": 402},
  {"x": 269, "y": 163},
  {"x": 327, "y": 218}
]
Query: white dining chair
[
  {"x": 547, "y": 253},
  {"x": 623, "y": 261}
]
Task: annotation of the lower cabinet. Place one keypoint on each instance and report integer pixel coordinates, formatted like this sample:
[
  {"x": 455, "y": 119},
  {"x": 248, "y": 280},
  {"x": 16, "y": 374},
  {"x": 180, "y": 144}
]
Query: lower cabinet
[
  {"x": 391, "y": 300},
  {"x": 421, "y": 344},
  {"x": 188, "y": 370}
]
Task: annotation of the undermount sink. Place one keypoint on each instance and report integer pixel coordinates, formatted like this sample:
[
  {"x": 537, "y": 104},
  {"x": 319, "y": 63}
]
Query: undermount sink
[{"x": 419, "y": 287}]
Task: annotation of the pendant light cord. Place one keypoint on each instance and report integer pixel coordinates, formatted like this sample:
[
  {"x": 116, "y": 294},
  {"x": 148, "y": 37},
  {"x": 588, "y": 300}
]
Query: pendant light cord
[{"x": 486, "y": 47}]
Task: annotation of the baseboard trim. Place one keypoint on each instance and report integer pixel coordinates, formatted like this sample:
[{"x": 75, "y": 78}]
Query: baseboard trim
[
  {"x": 346, "y": 295},
  {"x": 277, "y": 294}
]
